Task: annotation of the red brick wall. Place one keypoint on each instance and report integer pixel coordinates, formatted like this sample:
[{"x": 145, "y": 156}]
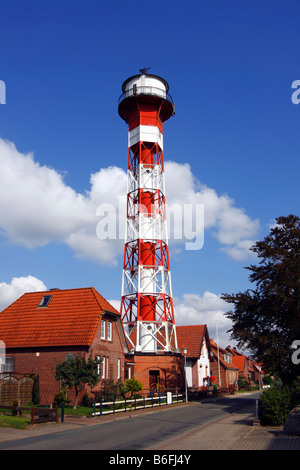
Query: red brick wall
[
  {"x": 228, "y": 376},
  {"x": 43, "y": 361},
  {"x": 194, "y": 364},
  {"x": 111, "y": 350},
  {"x": 171, "y": 369}
]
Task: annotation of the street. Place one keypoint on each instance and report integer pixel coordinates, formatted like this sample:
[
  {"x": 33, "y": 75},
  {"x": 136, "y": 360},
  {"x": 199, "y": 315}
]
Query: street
[{"x": 139, "y": 432}]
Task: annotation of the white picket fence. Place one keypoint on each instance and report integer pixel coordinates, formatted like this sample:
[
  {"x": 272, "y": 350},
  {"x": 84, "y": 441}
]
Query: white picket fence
[{"x": 133, "y": 404}]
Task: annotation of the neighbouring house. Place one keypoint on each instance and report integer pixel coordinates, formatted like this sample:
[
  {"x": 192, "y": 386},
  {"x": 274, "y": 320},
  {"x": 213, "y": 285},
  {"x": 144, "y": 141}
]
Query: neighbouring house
[
  {"x": 258, "y": 373},
  {"x": 241, "y": 362},
  {"x": 195, "y": 339},
  {"x": 41, "y": 329},
  {"x": 249, "y": 369},
  {"x": 223, "y": 367}
]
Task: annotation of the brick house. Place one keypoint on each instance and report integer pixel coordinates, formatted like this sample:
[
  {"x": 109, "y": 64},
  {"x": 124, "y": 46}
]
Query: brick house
[
  {"x": 249, "y": 369},
  {"x": 223, "y": 367},
  {"x": 41, "y": 329},
  {"x": 195, "y": 339}
]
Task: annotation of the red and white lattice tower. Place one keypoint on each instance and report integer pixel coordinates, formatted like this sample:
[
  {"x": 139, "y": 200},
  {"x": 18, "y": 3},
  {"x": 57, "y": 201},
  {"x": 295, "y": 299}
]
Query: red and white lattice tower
[{"x": 146, "y": 305}]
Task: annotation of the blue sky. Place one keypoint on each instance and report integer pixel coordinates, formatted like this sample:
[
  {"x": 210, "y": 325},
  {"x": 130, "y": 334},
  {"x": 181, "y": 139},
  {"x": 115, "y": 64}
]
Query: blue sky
[{"x": 233, "y": 144}]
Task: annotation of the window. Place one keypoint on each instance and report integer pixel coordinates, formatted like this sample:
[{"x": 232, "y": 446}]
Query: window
[
  {"x": 97, "y": 358},
  {"x": 9, "y": 364},
  {"x": 102, "y": 329},
  {"x": 119, "y": 369},
  {"x": 103, "y": 367},
  {"x": 227, "y": 358},
  {"x": 45, "y": 301},
  {"x": 109, "y": 331}
]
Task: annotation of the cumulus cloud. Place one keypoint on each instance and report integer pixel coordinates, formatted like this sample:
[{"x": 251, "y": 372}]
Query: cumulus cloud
[
  {"x": 230, "y": 225},
  {"x": 17, "y": 287},
  {"x": 37, "y": 207},
  {"x": 209, "y": 309}
]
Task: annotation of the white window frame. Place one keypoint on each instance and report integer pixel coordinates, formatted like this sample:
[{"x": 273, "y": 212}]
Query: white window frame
[
  {"x": 119, "y": 369},
  {"x": 103, "y": 367},
  {"x": 103, "y": 329},
  {"x": 98, "y": 359},
  {"x": 9, "y": 364},
  {"x": 109, "y": 331}
]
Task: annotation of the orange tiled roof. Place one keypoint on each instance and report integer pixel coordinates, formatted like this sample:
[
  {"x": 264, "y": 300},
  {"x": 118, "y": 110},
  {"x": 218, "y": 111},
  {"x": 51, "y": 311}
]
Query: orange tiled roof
[
  {"x": 191, "y": 337},
  {"x": 239, "y": 361},
  {"x": 217, "y": 349},
  {"x": 71, "y": 318}
]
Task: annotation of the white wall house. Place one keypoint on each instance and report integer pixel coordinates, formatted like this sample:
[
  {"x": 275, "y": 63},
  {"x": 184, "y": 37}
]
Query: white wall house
[{"x": 195, "y": 339}]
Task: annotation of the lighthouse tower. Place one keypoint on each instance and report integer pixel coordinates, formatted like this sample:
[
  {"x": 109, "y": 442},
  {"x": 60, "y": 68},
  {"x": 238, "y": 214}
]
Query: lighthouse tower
[{"x": 146, "y": 304}]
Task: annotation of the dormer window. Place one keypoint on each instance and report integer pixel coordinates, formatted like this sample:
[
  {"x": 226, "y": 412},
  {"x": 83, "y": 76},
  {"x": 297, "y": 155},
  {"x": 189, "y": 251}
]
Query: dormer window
[{"x": 45, "y": 301}]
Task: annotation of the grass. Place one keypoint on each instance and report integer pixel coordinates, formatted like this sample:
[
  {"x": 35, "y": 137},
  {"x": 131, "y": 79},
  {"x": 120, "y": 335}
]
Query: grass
[
  {"x": 18, "y": 422},
  {"x": 80, "y": 411},
  {"x": 22, "y": 422}
]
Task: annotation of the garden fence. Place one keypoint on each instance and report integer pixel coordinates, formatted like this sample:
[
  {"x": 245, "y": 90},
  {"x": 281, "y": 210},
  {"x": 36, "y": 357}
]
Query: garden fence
[{"x": 115, "y": 406}]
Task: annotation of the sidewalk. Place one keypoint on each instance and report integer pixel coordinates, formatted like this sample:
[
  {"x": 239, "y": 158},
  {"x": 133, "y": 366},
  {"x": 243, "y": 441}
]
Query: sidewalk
[{"x": 232, "y": 432}]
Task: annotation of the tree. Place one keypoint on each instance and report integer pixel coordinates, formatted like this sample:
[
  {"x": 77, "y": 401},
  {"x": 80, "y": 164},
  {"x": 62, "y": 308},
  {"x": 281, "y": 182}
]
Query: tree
[
  {"x": 77, "y": 372},
  {"x": 266, "y": 319},
  {"x": 36, "y": 390}
]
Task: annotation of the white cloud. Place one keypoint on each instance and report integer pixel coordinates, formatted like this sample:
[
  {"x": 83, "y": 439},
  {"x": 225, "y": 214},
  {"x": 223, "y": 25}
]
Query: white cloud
[
  {"x": 209, "y": 309},
  {"x": 18, "y": 286},
  {"x": 37, "y": 207},
  {"x": 234, "y": 229}
]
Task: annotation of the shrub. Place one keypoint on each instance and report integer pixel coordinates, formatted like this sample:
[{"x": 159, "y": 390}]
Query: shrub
[
  {"x": 61, "y": 397},
  {"x": 36, "y": 390},
  {"x": 15, "y": 403},
  {"x": 276, "y": 404},
  {"x": 133, "y": 386},
  {"x": 110, "y": 390},
  {"x": 243, "y": 384},
  {"x": 267, "y": 380},
  {"x": 86, "y": 400},
  {"x": 296, "y": 393}
]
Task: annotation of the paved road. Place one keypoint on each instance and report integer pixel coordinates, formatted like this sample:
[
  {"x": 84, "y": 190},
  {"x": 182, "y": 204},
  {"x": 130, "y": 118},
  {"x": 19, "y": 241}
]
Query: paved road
[{"x": 138, "y": 432}]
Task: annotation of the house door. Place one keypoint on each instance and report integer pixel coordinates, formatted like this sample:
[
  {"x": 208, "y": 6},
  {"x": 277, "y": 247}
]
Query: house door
[{"x": 154, "y": 380}]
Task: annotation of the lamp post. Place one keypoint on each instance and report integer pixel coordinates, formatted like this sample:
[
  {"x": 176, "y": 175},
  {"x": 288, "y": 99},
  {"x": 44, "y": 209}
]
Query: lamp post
[{"x": 185, "y": 353}]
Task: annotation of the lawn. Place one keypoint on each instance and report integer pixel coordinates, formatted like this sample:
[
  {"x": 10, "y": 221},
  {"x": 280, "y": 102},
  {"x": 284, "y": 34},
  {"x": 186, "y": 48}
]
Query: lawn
[
  {"x": 80, "y": 411},
  {"x": 18, "y": 422},
  {"x": 21, "y": 422}
]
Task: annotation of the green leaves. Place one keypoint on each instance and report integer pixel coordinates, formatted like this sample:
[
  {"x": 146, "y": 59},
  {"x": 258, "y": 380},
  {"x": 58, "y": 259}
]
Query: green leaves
[
  {"x": 266, "y": 320},
  {"x": 77, "y": 372}
]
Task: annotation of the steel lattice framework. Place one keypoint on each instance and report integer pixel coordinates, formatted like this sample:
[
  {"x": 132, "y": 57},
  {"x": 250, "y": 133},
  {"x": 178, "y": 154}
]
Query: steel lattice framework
[{"x": 146, "y": 305}]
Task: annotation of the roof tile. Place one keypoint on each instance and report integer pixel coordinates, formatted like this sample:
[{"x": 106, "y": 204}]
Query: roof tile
[
  {"x": 190, "y": 337},
  {"x": 71, "y": 318}
]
